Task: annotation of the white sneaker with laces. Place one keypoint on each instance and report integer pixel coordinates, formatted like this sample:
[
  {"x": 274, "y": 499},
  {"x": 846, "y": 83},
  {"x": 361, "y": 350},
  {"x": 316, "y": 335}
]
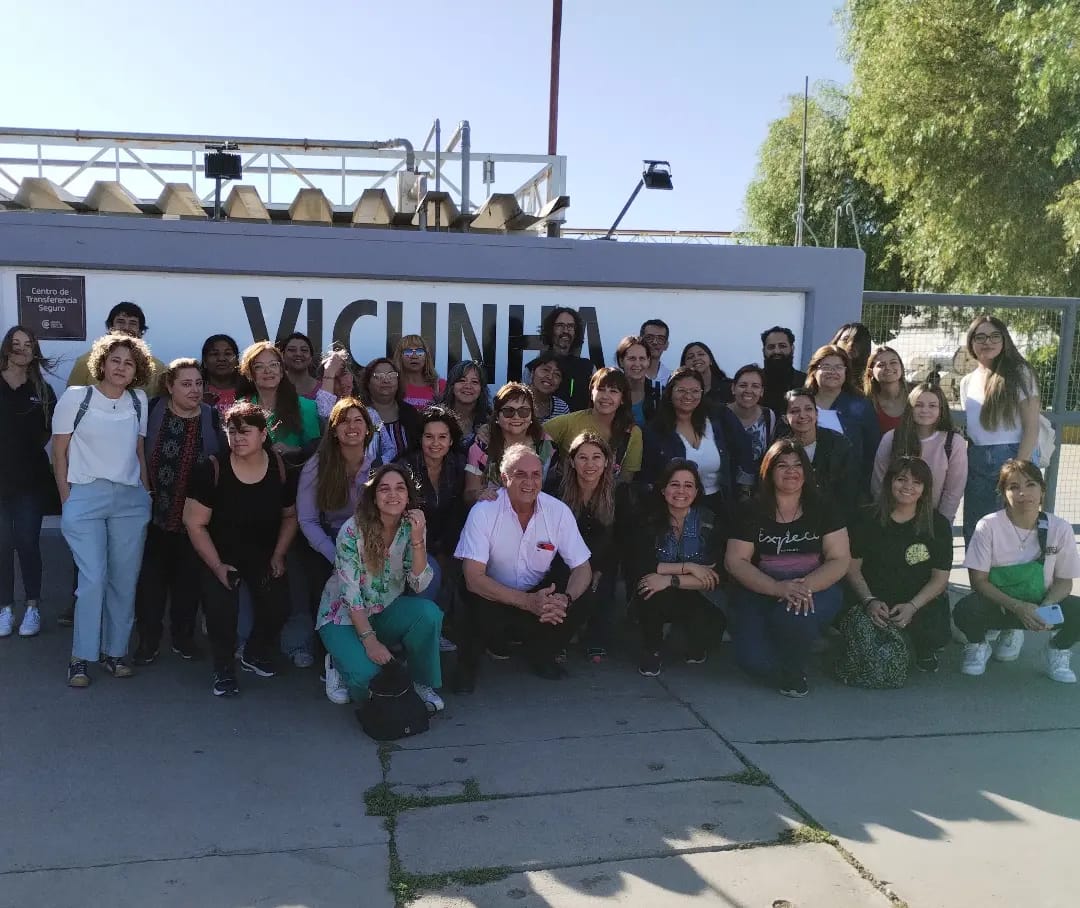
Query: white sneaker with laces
[
  {"x": 1057, "y": 665},
  {"x": 976, "y": 655},
  {"x": 336, "y": 691},
  {"x": 31, "y": 621},
  {"x": 7, "y": 621},
  {"x": 432, "y": 700},
  {"x": 1008, "y": 645}
]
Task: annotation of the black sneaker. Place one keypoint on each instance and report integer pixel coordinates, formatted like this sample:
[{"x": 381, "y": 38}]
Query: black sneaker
[
  {"x": 117, "y": 666},
  {"x": 794, "y": 685},
  {"x": 225, "y": 683},
  {"x": 262, "y": 667},
  {"x": 499, "y": 652},
  {"x": 696, "y": 657},
  {"x": 78, "y": 673},
  {"x": 186, "y": 649},
  {"x": 649, "y": 665},
  {"x": 927, "y": 663},
  {"x": 143, "y": 655},
  {"x": 66, "y": 618}
]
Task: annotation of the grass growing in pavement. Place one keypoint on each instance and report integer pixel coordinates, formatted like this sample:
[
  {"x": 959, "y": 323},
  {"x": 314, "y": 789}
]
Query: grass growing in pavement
[
  {"x": 382, "y": 801},
  {"x": 750, "y": 776},
  {"x": 806, "y": 833}
]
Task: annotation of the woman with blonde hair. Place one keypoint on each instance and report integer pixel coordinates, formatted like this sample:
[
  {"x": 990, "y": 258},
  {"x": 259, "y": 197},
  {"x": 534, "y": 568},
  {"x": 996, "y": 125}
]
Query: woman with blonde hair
[
  {"x": 373, "y": 600},
  {"x": 27, "y": 488},
  {"x": 415, "y": 363},
  {"x": 884, "y": 386},
  {"x": 1001, "y": 402},
  {"x": 100, "y": 467}
]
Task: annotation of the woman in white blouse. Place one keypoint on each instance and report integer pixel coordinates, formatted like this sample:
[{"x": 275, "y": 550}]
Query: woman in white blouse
[{"x": 100, "y": 469}]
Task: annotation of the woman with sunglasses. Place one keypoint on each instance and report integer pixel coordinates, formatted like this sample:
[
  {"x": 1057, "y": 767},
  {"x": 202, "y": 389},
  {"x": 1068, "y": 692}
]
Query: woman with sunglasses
[
  {"x": 901, "y": 556},
  {"x": 688, "y": 427},
  {"x": 926, "y": 431},
  {"x": 382, "y": 392},
  {"x": 467, "y": 397},
  {"x": 292, "y": 420},
  {"x": 842, "y": 408},
  {"x": 418, "y": 376},
  {"x": 513, "y": 422},
  {"x": 1001, "y": 403},
  {"x": 787, "y": 558}
]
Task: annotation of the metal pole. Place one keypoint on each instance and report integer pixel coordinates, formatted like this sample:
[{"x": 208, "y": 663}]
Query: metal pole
[
  {"x": 1066, "y": 354},
  {"x": 625, "y": 208},
  {"x": 438, "y": 156},
  {"x": 217, "y": 198},
  {"x": 801, "y": 213},
  {"x": 553, "y": 100},
  {"x": 466, "y": 163}
]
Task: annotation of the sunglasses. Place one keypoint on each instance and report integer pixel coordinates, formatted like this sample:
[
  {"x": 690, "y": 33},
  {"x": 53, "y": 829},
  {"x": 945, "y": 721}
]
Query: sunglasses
[
  {"x": 519, "y": 412},
  {"x": 414, "y": 351}
]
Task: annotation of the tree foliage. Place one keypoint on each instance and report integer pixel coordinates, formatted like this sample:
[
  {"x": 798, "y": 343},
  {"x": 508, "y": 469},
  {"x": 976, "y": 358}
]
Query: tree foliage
[{"x": 831, "y": 182}]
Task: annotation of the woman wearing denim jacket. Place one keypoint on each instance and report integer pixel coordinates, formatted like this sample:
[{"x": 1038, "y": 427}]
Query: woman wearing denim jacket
[{"x": 678, "y": 548}]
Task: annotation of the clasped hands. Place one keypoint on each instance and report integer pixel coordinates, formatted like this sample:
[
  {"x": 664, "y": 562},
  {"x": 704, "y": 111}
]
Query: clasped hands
[
  {"x": 550, "y": 607},
  {"x": 884, "y": 615},
  {"x": 651, "y": 584}
]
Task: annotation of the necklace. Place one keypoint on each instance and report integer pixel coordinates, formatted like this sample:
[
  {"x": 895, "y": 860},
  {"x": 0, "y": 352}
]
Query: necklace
[
  {"x": 784, "y": 518},
  {"x": 1023, "y": 540}
]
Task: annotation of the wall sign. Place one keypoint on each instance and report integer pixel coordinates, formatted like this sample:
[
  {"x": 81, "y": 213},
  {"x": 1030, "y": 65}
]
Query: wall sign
[{"x": 53, "y": 306}]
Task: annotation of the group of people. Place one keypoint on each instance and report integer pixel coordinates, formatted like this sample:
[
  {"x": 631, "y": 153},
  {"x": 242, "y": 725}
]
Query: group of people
[{"x": 346, "y": 516}]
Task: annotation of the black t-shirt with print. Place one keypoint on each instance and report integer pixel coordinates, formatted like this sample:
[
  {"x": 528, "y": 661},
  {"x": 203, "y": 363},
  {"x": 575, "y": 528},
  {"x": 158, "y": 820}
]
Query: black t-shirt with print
[
  {"x": 246, "y": 518},
  {"x": 786, "y": 550},
  {"x": 896, "y": 558}
]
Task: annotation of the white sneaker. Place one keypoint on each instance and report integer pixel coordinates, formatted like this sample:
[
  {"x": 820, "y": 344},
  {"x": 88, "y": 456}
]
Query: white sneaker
[
  {"x": 31, "y": 621},
  {"x": 1057, "y": 665},
  {"x": 7, "y": 621},
  {"x": 976, "y": 655},
  {"x": 1008, "y": 645},
  {"x": 432, "y": 700},
  {"x": 301, "y": 658},
  {"x": 336, "y": 691}
]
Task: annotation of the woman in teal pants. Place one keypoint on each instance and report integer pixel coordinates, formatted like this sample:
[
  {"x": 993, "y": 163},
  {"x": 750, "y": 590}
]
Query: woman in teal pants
[{"x": 364, "y": 607}]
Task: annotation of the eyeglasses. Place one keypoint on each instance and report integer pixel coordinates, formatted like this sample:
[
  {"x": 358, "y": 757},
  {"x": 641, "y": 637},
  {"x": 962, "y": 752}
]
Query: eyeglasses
[
  {"x": 831, "y": 369},
  {"x": 662, "y": 338},
  {"x": 384, "y": 376},
  {"x": 519, "y": 412},
  {"x": 993, "y": 338},
  {"x": 688, "y": 392},
  {"x": 260, "y": 368},
  {"x": 414, "y": 351}
]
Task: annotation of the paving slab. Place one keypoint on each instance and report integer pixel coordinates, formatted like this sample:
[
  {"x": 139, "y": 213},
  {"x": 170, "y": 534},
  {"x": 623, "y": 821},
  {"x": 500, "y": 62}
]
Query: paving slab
[
  {"x": 806, "y": 876},
  {"x": 536, "y": 767},
  {"x": 317, "y": 878},
  {"x": 986, "y": 820},
  {"x": 1009, "y": 697},
  {"x": 612, "y": 824}
]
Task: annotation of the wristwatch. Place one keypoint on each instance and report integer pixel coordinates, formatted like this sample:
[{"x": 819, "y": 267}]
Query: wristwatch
[
  {"x": 366, "y": 634},
  {"x": 675, "y": 581}
]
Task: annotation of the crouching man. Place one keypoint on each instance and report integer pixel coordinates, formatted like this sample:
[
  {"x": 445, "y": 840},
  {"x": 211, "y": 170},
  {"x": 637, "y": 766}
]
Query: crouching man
[{"x": 526, "y": 571}]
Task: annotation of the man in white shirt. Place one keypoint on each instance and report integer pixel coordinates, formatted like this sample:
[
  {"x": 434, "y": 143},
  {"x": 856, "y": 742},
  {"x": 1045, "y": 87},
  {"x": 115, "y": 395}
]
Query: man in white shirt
[{"x": 526, "y": 570}]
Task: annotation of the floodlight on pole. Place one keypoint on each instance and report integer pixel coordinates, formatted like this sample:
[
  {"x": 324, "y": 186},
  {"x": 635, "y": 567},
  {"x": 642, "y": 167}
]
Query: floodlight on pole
[
  {"x": 219, "y": 165},
  {"x": 656, "y": 175}
]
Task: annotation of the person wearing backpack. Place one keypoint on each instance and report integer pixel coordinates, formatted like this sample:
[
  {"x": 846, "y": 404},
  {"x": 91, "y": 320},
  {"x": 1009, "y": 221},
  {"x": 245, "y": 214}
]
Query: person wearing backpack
[
  {"x": 240, "y": 516},
  {"x": 100, "y": 468},
  {"x": 901, "y": 555},
  {"x": 1022, "y": 563},
  {"x": 926, "y": 431}
]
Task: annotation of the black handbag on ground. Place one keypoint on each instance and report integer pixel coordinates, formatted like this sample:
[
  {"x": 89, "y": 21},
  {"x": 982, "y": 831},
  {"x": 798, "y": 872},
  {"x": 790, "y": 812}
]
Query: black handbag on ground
[{"x": 393, "y": 708}]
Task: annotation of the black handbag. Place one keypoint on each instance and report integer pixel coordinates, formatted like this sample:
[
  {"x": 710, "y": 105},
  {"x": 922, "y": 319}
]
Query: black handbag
[{"x": 393, "y": 708}]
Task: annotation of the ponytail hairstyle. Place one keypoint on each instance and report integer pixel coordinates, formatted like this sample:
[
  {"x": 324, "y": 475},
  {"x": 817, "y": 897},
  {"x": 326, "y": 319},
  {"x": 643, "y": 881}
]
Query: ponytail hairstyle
[{"x": 1009, "y": 374}]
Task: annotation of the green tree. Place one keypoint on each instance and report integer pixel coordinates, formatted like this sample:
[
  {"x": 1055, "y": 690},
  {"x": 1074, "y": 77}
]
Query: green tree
[
  {"x": 967, "y": 114},
  {"x": 831, "y": 182}
]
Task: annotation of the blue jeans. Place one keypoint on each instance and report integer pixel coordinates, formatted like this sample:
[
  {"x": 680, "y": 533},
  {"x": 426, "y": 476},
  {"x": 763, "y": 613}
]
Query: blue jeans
[
  {"x": 770, "y": 640},
  {"x": 104, "y": 524},
  {"x": 980, "y": 493},
  {"x": 20, "y": 532}
]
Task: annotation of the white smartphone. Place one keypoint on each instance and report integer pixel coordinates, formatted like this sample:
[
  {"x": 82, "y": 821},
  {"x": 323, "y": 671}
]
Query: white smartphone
[{"x": 1050, "y": 614}]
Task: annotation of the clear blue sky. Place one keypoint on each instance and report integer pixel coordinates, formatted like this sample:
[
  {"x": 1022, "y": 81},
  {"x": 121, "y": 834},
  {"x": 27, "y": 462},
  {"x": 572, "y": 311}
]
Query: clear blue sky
[{"x": 692, "y": 81}]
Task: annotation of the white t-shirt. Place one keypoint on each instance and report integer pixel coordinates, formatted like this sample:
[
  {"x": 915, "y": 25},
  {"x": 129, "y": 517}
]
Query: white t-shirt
[
  {"x": 104, "y": 445},
  {"x": 829, "y": 419},
  {"x": 707, "y": 458},
  {"x": 520, "y": 558},
  {"x": 972, "y": 397},
  {"x": 997, "y": 543}
]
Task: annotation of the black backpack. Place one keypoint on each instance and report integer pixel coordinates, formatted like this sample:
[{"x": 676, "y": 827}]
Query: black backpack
[{"x": 393, "y": 708}]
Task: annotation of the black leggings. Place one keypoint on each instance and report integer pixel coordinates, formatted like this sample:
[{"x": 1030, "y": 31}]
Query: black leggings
[
  {"x": 270, "y": 604},
  {"x": 686, "y": 608},
  {"x": 975, "y": 615}
]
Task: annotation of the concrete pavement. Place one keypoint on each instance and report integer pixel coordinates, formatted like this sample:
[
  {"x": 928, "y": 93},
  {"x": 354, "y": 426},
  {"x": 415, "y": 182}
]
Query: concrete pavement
[{"x": 607, "y": 788}]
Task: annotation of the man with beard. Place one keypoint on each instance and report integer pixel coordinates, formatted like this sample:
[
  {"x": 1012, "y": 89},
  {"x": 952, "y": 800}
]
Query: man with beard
[
  {"x": 781, "y": 376},
  {"x": 563, "y": 332}
]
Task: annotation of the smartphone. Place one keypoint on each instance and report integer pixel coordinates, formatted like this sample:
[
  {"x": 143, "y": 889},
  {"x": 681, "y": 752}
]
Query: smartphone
[{"x": 1050, "y": 614}]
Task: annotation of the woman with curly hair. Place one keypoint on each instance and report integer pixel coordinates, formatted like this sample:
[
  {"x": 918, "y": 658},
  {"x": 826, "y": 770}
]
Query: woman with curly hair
[
  {"x": 417, "y": 367},
  {"x": 1001, "y": 403},
  {"x": 27, "y": 488},
  {"x": 366, "y": 606},
  {"x": 100, "y": 468},
  {"x": 292, "y": 420},
  {"x": 513, "y": 422}
]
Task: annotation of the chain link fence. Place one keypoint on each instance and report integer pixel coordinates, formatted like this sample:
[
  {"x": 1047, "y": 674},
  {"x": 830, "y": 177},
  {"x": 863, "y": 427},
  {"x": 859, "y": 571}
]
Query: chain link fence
[{"x": 928, "y": 332}]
